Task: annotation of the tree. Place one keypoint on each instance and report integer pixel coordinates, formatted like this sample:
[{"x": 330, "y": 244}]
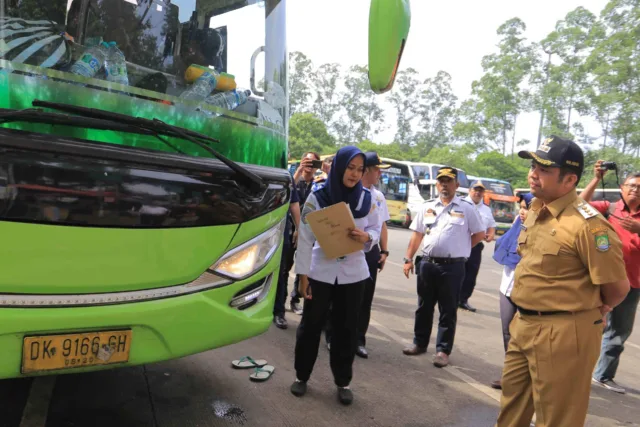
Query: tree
[
  {"x": 361, "y": 115},
  {"x": 436, "y": 111},
  {"x": 308, "y": 133},
  {"x": 565, "y": 86},
  {"x": 403, "y": 98},
  {"x": 325, "y": 85},
  {"x": 615, "y": 65},
  {"x": 500, "y": 92},
  {"x": 300, "y": 70}
]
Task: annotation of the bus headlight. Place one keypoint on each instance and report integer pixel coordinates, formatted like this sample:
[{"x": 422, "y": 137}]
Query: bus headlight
[{"x": 244, "y": 260}]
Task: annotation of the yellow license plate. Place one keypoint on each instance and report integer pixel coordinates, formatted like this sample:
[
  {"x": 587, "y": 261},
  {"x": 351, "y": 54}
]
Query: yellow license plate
[{"x": 54, "y": 352}]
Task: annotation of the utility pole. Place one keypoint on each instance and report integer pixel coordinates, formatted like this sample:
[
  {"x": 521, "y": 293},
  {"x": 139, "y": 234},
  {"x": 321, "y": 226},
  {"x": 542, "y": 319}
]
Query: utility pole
[{"x": 546, "y": 81}]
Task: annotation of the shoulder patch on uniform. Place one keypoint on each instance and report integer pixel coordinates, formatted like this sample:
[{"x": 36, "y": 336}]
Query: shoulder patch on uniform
[
  {"x": 586, "y": 210},
  {"x": 602, "y": 241},
  {"x": 466, "y": 201}
]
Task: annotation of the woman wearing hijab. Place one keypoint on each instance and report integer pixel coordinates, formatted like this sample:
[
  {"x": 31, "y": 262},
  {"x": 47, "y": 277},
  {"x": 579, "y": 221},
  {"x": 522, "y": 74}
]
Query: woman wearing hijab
[
  {"x": 338, "y": 283},
  {"x": 506, "y": 254}
]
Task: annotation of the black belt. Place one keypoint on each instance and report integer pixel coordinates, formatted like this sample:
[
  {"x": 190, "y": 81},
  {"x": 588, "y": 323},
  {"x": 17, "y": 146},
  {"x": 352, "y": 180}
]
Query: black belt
[
  {"x": 443, "y": 260},
  {"x": 541, "y": 313}
]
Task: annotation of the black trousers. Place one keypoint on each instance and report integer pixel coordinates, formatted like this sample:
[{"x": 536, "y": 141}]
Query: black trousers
[
  {"x": 472, "y": 267},
  {"x": 345, "y": 300},
  {"x": 286, "y": 263},
  {"x": 438, "y": 283},
  {"x": 373, "y": 259}
]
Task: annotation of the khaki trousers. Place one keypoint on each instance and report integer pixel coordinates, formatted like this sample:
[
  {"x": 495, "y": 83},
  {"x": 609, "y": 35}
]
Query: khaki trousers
[{"x": 548, "y": 367}]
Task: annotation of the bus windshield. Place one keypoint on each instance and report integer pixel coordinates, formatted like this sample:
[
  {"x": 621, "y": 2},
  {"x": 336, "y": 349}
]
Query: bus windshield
[
  {"x": 501, "y": 188},
  {"x": 190, "y": 58},
  {"x": 394, "y": 187},
  {"x": 503, "y": 211}
]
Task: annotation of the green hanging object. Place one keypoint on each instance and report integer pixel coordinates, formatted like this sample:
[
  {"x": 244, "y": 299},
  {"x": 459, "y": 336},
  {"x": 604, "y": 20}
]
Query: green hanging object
[{"x": 389, "y": 22}]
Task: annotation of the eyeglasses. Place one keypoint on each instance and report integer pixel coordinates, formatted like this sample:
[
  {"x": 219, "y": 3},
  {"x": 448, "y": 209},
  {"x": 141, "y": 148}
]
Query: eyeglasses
[{"x": 632, "y": 187}]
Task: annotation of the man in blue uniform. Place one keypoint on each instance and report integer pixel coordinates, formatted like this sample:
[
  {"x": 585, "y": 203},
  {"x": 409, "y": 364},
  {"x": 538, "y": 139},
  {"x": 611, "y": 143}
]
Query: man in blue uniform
[{"x": 448, "y": 227}]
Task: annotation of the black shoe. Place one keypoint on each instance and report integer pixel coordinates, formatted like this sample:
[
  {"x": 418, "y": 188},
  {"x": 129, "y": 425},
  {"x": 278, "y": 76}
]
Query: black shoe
[
  {"x": 280, "y": 322},
  {"x": 362, "y": 352},
  {"x": 299, "y": 388},
  {"x": 345, "y": 396},
  {"x": 466, "y": 306}
]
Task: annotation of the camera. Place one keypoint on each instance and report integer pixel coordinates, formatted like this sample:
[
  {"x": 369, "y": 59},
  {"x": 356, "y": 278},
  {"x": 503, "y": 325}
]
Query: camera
[{"x": 610, "y": 166}]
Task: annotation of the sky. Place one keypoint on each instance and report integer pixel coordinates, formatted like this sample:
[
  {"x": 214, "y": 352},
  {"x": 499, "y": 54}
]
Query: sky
[{"x": 445, "y": 35}]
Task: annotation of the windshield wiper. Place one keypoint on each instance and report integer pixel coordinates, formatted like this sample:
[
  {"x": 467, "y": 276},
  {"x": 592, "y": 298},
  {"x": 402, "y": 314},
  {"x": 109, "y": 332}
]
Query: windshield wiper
[
  {"x": 106, "y": 120},
  {"x": 116, "y": 117}
]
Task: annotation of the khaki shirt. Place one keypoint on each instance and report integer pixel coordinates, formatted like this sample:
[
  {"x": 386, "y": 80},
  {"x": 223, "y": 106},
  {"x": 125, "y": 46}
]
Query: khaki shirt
[{"x": 567, "y": 247}]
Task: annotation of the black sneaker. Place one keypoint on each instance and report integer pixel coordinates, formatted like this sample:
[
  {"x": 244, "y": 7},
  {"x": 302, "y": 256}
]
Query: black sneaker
[
  {"x": 298, "y": 388},
  {"x": 345, "y": 395},
  {"x": 280, "y": 322}
]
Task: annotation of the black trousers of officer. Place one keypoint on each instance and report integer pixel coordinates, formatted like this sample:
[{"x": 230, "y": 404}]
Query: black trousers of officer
[
  {"x": 345, "y": 301},
  {"x": 373, "y": 259},
  {"x": 472, "y": 267},
  {"x": 286, "y": 263},
  {"x": 438, "y": 283}
]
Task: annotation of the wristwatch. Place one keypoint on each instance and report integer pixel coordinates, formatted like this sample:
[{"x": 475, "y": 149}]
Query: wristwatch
[
  {"x": 384, "y": 253},
  {"x": 407, "y": 260}
]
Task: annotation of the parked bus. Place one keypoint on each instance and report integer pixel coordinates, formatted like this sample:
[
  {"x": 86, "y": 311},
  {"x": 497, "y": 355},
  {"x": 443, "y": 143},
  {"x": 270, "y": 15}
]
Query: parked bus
[
  {"x": 420, "y": 187},
  {"x": 499, "y": 196},
  {"x": 609, "y": 194},
  {"x": 143, "y": 198}
]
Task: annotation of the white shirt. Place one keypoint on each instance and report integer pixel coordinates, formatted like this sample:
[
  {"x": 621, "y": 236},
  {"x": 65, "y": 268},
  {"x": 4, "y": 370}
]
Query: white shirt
[
  {"x": 447, "y": 229},
  {"x": 508, "y": 278},
  {"x": 379, "y": 203},
  {"x": 311, "y": 260},
  {"x": 485, "y": 213}
]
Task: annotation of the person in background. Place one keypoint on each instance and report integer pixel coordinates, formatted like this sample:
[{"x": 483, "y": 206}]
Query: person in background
[
  {"x": 472, "y": 266},
  {"x": 506, "y": 254},
  {"x": 319, "y": 181},
  {"x": 571, "y": 274},
  {"x": 303, "y": 182},
  {"x": 447, "y": 227},
  {"x": 338, "y": 283},
  {"x": 624, "y": 216},
  {"x": 286, "y": 261}
]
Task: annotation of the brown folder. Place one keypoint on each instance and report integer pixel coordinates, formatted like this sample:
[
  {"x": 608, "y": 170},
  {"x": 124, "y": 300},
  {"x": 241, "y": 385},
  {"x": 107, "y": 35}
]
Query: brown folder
[{"x": 331, "y": 228}]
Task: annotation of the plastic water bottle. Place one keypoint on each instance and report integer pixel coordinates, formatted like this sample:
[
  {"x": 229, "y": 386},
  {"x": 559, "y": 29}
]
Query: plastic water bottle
[
  {"x": 229, "y": 100},
  {"x": 116, "y": 66},
  {"x": 202, "y": 87},
  {"x": 91, "y": 60}
]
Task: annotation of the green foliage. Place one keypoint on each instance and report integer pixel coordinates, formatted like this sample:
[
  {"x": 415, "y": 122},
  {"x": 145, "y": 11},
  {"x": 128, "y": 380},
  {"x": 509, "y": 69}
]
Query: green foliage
[
  {"x": 588, "y": 67},
  {"x": 308, "y": 133}
]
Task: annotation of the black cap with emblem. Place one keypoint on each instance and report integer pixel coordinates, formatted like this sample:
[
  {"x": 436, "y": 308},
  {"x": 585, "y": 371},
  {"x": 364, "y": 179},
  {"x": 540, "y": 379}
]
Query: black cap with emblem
[{"x": 559, "y": 153}]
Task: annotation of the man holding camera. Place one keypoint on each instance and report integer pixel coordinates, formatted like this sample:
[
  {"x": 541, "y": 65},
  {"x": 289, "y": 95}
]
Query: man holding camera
[{"x": 624, "y": 216}]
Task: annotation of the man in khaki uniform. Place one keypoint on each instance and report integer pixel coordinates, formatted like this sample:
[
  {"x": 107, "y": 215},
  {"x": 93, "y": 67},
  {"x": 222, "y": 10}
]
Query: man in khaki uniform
[{"x": 571, "y": 273}]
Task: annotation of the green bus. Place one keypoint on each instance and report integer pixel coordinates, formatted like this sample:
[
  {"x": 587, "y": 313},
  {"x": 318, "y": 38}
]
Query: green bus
[{"x": 143, "y": 175}]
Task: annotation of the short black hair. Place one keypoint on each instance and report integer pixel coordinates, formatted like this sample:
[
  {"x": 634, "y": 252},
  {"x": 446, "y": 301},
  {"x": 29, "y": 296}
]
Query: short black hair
[
  {"x": 632, "y": 176},
  {"x": 566, "y": 171}
]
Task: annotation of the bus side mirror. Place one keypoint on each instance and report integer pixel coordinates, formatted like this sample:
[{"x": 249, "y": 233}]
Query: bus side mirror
[{"x": 389, "y": 22}]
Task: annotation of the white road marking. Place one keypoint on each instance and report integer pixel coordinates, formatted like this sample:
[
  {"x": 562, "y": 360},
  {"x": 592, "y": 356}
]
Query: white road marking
[
  {"x": 489, "y": 294},
  {"x": 37, "y": 407}
]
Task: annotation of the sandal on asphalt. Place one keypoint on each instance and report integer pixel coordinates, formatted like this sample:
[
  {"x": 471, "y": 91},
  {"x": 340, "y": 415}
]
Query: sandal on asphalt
[
  {"x": 247, "y": 363},
  {"x": 262, "y": 374}
]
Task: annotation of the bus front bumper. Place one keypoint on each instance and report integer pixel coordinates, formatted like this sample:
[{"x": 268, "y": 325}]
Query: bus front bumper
[{"x": 160, "y": 330}]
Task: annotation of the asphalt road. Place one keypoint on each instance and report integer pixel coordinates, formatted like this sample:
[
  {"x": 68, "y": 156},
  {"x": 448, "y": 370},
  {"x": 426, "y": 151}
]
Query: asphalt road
[{"x": 390, "y": 389}]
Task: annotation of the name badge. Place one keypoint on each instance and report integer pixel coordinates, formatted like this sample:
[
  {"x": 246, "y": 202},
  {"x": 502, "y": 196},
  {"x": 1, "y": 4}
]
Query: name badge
[{"x": 456, "y": 214}]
